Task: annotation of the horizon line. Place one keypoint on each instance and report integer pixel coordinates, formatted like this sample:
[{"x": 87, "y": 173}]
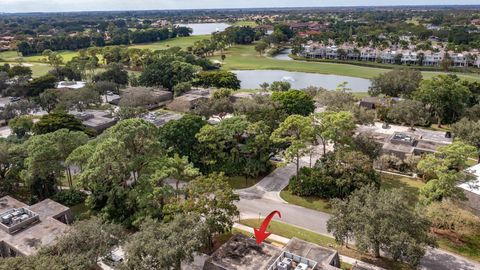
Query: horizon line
[{"x": 252, "y": 8}]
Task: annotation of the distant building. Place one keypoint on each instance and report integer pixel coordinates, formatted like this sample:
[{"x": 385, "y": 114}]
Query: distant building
[
  {"x": 96, "y": 119},
  {"x": 150, "y": 98},
  {"x": 71, "y": 85},
  {"x": 242, "y": 253},
  {"x": 400, "y": 141},
  {"x": 188, "y": 101},
  {"x": 25, "y": 229},
  {"x": 159, "y": 119}
]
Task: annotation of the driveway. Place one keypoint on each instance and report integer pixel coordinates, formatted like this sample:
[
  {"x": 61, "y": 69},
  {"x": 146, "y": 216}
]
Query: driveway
[{"x": 263, "y": 198}]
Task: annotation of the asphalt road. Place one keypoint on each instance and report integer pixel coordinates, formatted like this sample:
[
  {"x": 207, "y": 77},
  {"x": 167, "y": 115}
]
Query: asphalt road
[{"x": 263, "y": 198}]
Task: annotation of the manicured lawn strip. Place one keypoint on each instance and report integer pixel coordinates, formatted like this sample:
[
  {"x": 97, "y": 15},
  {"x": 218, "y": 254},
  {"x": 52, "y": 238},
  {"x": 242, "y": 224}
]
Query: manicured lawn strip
[
  {"x": 290, "y": 231},
  {"x": 246, "y": 23},
  {"x": 468, "y": 71},
  {"x": 469, "y": 249},
  {"x": 307, "y": 202},
  {"x": 182, "y": 42}
]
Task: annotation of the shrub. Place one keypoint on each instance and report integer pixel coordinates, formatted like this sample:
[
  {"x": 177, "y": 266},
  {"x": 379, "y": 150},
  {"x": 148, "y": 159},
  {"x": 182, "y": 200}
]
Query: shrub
[
  {"x": 449, "y": 217},
  {"x": 70, "y": 197},
  {"x": 182, "y": 88}
]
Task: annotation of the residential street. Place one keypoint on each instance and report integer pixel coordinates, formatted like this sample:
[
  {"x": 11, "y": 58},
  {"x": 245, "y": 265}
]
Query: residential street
[{"x": 264, "y": 198}]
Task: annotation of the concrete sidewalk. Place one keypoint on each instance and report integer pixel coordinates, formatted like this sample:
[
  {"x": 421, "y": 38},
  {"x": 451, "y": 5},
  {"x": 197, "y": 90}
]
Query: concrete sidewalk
[{"x": 284, "y": 241}]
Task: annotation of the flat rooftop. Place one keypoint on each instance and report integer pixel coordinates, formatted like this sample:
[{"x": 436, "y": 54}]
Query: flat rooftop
[
  {"x": 242, "y": 253},
  {"x": 309, "y": 250},
  {"x": 44, "y": 232}
]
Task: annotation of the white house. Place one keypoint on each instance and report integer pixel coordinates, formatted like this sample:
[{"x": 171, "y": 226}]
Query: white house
[
  {"x": 432, "y": 59},
  {"x": 71, "y": 84},
  {"x": 472, "y": 189}
]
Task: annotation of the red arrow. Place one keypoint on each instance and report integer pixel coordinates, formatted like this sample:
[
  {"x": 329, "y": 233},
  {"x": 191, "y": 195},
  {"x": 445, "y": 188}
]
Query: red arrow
[{"x": 261, "y": 234}]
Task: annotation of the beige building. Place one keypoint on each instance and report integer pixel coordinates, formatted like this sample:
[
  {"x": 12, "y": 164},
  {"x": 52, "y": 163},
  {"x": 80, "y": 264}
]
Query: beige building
[{"x": 24, "y": 229}]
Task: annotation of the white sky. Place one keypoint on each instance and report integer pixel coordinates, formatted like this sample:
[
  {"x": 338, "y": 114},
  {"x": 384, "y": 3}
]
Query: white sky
[{"x": 85, "y": 5}]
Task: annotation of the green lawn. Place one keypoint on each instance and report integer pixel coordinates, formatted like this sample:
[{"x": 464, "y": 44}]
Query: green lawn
[
  {"x": 246, "y": 23},
  {"x": 182, "y": 42},
  {"x": 290, "y": 231},
  {"x": 412, "y": 186},
  {"x": 470, "y": 247},
  {"x": 38, "y": 69},
  {"x": 307, "y": 202}
]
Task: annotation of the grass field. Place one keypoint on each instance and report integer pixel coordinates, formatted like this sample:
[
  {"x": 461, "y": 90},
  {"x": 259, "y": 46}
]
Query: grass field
[
  {"x": 246, "y": 23},
  {"x": 182, "y": 42},
  {"x": 470, "y": 247},
  {"x": 38, "y": 69},
  {"x": 307, "y": 202}
]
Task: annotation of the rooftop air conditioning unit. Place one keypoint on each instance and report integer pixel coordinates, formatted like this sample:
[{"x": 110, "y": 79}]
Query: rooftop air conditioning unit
[
  {"x": 287, "y": 261},
  {"x": 301, "y": 266},
  {"x": 283, "y": 266}
]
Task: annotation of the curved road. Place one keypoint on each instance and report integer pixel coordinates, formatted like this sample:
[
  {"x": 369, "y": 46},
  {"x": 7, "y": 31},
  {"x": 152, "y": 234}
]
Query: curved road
[{"x": 264, "y": 197}]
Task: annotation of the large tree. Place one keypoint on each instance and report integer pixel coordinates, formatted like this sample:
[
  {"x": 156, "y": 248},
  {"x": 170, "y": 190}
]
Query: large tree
[
  {"x": 218, "y": 79},
  {"x": 334, "y": 127},
  {"x": 165, "y": 245},
  {"x": 11, "y": 163},
  {"x": 295, "y": 102},
  {"x": 382, "y": 220},
  {"x": 409, "y": 112},
  {"x": 468, "y": 131},
  {"x": 21, "y": 125},
  {"x": 336, "y": 175},
  {"x": 114, "y": 73},
  {"x": 213, "y": 199},
  {"x": 446, "y": 96},
  {"x": 57, "y": 120},
  {"x": 396, "y": 83},
  {"x": 45, "y": 160},
  {"x": 234, "y": 145},
  {"x": 444, "y": 170},
  {"x": 117, "y": 168},
  {"x": 36, "y": 86},
  {"x": 179, "y": 136},
  {"x": 167, "y": 72},
  {"x": 261, "y": 108},
  {"x": 297, "y": 133}
]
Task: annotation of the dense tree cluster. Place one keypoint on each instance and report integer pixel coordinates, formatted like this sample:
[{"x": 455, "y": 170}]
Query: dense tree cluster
[
  {"x": 120, "y": 36},
  {"x": 335, "y": 175}
]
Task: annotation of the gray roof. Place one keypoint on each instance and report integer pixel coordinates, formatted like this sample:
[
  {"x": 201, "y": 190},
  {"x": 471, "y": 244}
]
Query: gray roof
[{"x": 45, "y": 232}]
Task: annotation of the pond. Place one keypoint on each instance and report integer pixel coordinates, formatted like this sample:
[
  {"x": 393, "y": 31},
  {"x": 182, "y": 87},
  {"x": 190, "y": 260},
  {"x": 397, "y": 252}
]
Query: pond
[
  {"x": 251, "y": 79},
  {"x": 206, "y": 28},
  {"x": 283, "y": 55}
]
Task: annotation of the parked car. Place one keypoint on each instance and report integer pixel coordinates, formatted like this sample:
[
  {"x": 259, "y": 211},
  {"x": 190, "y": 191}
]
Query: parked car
[{"x": 14, "y": 99}]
